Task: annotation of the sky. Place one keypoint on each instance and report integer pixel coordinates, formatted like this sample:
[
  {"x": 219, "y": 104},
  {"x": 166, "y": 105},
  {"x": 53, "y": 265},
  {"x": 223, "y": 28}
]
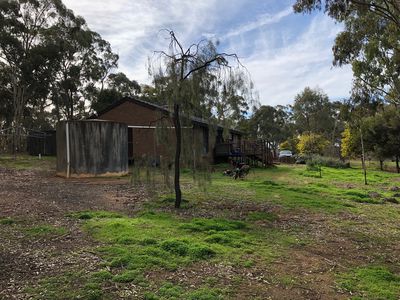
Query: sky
[{"x": 283, "y": 51}]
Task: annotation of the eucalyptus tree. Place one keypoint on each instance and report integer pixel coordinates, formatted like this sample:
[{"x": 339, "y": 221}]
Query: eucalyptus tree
[
  {"x": 312, "y": 112},
  {"x": 113, "y": 88},
  {"x": 195, "y": 77},
  {"x": 48, "y": 58},
  {"x": 369, "y": 41},
  {"x": 6, "y": 102},
  {"x": 382, "y": 134},
  {"x": 25, "y": 51},
  {"x": 122, "y": 84},
  {"x": 269, "y": 123},
  {"x": 85, "y": 60}
]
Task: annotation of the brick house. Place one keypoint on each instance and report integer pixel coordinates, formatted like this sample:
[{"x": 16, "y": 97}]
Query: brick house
[{"x": 143, "y": 120}]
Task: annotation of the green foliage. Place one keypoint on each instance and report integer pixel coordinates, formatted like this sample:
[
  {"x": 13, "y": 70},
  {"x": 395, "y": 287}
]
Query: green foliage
[
  {"x": 135, "y": 249},
  {"x": 104, "y": 99},
  {"x": 207, "y": 225},
  {"x": 118, "y": 85},
  {"x": 26, "y": 162},
  {"x": 101, "y": 276},
  {"x": 311, "y": 143},
  {"x": 270, "y": 123},
  {"x": 312, "y": 112},
  {"x": 316, "y": 161},
  {"x": 350, "y": 142},
  {"x": 285, "y": 146},
  {"x": 371, "y": 282},
  {"x": 48, "y": 53},
  {"x": 151, "y": 241},
  {"x": 294, "y": 188},
  {"x": 192, "y": 87},
  {"x": 382, "y": 133},
  {"x": 134, "y": 276},
  {"x": 369, "y": 41}
]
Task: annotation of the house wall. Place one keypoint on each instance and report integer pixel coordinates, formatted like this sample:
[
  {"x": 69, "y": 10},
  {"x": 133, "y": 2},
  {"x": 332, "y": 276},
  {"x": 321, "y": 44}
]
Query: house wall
[{"x": 145, "y": 141}]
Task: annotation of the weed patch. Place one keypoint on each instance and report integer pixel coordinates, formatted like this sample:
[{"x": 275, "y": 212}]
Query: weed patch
[
  {"x": 6, "y": 221},
  {"x": 45, "y": 230},
  {"x": 151, "y": 241},
  {"x": 374, "y": 282},
  {"x": 71, "y": 285}
]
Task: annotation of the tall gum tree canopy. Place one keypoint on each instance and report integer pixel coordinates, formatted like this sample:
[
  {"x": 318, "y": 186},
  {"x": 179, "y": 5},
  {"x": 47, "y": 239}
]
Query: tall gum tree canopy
[
  {"x": 25, "y": 52},
  {"x": 270, "y": 123},
  {"x": 312, "y": 112},
  {"x": 49, "y": 56},
  {"x": 369, "y": 41}
]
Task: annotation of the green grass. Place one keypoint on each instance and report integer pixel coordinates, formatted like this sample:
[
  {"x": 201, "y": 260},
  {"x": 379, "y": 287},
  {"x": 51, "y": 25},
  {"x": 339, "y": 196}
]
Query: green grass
[
  {"x": 6, "y": 221},
  {"x": 71, "y": 285},
  {"x": 160, "y": 241},
  {"x": 371, "y": 282},
  {"x": 27, "y": 162},
  {"x": 155, "y": 240},
  {"x": 295, "y": 188},
  {"x": 249, "y": 230},
  {"x": 45, "y": 230},
  {"x": 87, "y": 215}
]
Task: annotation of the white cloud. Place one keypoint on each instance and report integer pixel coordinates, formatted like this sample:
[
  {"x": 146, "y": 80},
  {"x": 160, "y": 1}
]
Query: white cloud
[
  {"x": 282, "y": 73},
  {"x": 261, "y": 20},
  {"x": 133, "y": 29}
]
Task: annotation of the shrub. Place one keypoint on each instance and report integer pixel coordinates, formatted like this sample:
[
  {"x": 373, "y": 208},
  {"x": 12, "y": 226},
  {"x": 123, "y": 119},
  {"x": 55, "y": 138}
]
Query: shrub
[
  {"x": 316, "y": 161},
  {"x": 312, "y": 143}
]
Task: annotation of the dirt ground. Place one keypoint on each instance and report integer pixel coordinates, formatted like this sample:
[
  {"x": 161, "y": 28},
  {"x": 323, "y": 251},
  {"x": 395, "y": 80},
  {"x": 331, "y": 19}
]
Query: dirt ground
[
  {"x": 34, "y": 197},
  {"x": 39, "y": 197}
]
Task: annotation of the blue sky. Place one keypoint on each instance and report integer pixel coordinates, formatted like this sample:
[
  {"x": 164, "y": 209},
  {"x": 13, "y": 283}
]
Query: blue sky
[{"x": 284, "y": 52}]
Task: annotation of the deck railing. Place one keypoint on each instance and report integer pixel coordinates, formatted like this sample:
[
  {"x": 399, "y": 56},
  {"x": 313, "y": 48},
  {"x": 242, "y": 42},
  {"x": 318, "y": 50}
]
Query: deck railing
[{"x": 254, "y": 149}]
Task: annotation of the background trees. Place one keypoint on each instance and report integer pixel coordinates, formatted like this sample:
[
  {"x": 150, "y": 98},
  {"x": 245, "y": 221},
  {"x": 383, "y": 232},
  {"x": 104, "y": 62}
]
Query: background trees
[
  {"x": 115, "y": 87},
  {"x": 53, "y": 67},
  {"x": 370, "y": 43},
  {"x": 312, "y": 112},
  {"x": 270, "y": 123},
  {"x": 27, "y": 55}
]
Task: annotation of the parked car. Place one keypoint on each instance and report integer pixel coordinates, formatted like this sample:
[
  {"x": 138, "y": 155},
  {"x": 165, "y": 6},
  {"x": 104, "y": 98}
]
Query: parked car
[{"x": 285, "y": 153}]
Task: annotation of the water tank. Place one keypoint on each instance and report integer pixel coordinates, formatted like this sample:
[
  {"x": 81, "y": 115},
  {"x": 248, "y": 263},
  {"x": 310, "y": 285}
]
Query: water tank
[{"x": 92, "y": 148}]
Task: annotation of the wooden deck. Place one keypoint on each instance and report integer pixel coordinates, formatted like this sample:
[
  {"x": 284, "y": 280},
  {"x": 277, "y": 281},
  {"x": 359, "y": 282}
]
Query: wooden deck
[{"x": 246, "y": 150}]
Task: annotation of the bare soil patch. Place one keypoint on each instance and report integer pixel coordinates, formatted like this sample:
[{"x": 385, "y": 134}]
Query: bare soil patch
[{"x": 34, "y": 198}]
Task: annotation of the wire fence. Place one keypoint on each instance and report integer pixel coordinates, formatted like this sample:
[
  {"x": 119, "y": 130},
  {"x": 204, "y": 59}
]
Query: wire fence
[{"x": 28, "y": 141}]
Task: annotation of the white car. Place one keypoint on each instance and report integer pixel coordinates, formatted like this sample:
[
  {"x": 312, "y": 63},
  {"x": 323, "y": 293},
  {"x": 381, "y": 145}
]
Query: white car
[{"x": 285, "y": 153}]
